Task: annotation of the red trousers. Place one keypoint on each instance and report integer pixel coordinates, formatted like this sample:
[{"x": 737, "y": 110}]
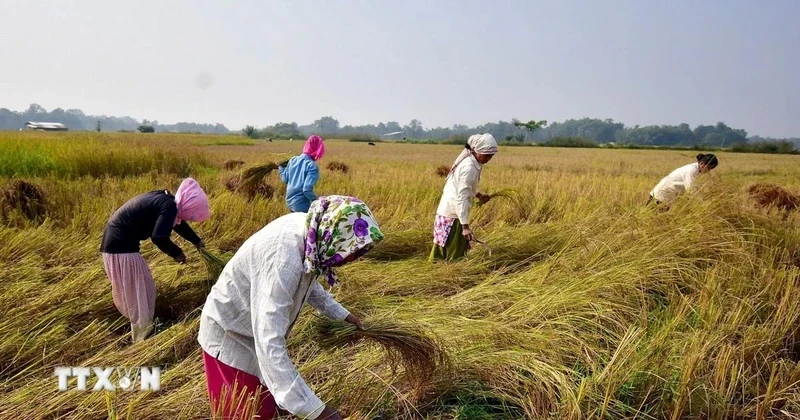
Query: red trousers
[{"x": 235, "y": 394}]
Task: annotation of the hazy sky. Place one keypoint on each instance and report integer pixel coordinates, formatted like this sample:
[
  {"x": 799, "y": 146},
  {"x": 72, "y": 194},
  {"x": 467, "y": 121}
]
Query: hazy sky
[{"x": 443, "y": 62}]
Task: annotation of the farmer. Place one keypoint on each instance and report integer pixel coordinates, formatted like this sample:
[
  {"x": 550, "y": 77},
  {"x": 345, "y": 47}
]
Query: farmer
[
  {"x": 681, "y": 180},
  {"x": 151, "y": 215},
  {"x": 251, "y": 309},
  {"x": 452, "y": 236},
  {"x": 301, "y": 174}
]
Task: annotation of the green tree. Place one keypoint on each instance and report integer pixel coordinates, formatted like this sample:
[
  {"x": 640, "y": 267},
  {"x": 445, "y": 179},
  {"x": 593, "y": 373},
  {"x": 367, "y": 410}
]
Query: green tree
[
  {"x": 285, "y": 129},
  {"x": 146, "y": 128},
  {"x": 250, "y": 131},
  {"x": 530, "y": 126},
  {"x": 327, "y": 125},
  {"x": 414, "y": 129}
]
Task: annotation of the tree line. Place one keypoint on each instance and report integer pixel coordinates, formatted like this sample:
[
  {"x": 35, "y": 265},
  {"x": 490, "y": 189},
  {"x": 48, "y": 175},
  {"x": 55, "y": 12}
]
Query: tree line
[
  {"x": 597, "y": 131},
  {"x": 586, "y": 131},
  {"x": 77, "y": 120}
]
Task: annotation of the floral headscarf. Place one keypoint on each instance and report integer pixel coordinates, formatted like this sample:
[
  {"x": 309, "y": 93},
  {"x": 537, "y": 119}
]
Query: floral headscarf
[{"x": 338, "y": 227}]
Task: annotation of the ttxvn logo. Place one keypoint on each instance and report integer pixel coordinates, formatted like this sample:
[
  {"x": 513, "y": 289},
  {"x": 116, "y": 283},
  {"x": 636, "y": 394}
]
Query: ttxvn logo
[{"x": 110, "y": 378}]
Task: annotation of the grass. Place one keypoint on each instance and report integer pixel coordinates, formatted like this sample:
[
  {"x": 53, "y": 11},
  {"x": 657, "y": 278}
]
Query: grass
[{"x": 589, "y": 305}]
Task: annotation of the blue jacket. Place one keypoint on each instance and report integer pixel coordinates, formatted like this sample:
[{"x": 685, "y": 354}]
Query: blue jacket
[{"x": 300, "y": 175}]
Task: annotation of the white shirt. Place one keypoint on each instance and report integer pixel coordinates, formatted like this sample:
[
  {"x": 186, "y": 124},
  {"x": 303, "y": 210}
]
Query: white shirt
[
  {"x": 254, "y": 304},
  {"x": 675, "y": 183},
  {"x": 460, "y": 189}
]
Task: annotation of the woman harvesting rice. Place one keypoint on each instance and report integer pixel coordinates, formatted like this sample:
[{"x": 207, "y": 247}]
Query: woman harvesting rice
[
  {"x": 155, "y": 215},
  {"x": 258, "y": 297},
  {"x": 301, "y": 174},
  {"x": 452, "y": 235},
  {"x": 681, "y": 180}
]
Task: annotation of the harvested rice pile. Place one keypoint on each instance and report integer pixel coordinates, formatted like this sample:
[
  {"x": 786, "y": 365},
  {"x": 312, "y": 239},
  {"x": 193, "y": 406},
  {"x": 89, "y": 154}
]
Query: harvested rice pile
[
  {"x": 233, "y": 183},
  {"x": 338, "y": 167},
  {"x": 442, "y": 171},
  {"x": 28, "y": 198},
  {"x": 769, "y": 195},
  {"x": 232, "y": 164}
]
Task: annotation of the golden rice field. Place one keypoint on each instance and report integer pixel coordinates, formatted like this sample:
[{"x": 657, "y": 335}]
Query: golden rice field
[{"x": 583, "y": 304}]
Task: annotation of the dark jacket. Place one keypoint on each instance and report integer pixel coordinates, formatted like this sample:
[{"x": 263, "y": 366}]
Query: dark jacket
[{"x": 150, "y": 215}]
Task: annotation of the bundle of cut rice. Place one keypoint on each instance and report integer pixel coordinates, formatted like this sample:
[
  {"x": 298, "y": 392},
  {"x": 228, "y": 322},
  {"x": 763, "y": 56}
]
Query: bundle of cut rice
[
  {"x": 253, "y": 176},
  {"x": 417, "y": 352},
  {"x": 213, "y": 263}
]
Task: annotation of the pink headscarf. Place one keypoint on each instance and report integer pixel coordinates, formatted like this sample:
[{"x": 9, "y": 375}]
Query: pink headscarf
[
  {"x": 192, "y": 202},
  {"x": 314, "y": 147}
]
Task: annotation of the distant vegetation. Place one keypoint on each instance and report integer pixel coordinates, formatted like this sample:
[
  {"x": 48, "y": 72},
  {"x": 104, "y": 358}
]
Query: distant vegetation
[
  {"x": 767, "y": 146},
  {"x": 590, "y": 131},
  {"x": 570, "y": 142},
  {"x": 76, "y": 120}
]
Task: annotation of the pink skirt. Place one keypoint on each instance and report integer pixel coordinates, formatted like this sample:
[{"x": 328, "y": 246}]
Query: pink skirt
[
  {"x": 235, "y": 394},
  {"x": 132, "y": 287}
]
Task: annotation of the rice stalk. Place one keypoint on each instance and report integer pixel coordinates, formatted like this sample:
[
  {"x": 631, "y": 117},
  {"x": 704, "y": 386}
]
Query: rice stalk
[
  {"x": 504, "y": 193},
  {"x": 236, "y": 402},
  {"x": 214, "y": 264}
]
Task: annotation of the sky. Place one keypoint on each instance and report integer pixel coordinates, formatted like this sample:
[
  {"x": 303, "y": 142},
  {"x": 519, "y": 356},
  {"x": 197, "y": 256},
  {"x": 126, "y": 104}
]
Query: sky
[{"x": 443, "y": 62}]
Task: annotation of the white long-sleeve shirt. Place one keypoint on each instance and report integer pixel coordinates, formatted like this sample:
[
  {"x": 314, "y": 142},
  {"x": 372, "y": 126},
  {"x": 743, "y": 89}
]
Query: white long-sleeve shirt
[
  {"x": 675, "y": 183},
  {"x": 459, "y": 190},
  {"x": 254, "y": 304}
]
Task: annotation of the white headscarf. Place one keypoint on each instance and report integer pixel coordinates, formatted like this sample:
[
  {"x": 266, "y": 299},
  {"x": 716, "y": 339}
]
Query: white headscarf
[{"x": 484, "y": 144}]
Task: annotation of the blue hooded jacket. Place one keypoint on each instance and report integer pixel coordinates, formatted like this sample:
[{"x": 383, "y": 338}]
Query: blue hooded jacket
[{"x": 300, "y": 176}]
